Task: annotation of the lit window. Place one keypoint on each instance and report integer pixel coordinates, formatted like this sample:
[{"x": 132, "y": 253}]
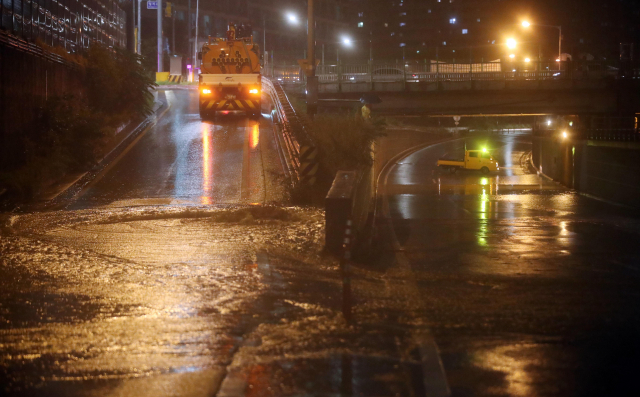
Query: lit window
[
  {"x": 403, "y": 24},
  {"x": 393, "y": 33},
  {"x": 429, "y": 11},
  {"x": 444, "y": 43},
  {"x": 478, "y": 19},
  {"x": 361, "y": 14},
  {"x": 452, "y": 21},
  {"x": 465, "y": 31},
  {"x": 403, "y": 44},
  {"x": 360, "y": 24},
  {"x": 386, "y": 25},
  {"x": 403, "y": 14}
]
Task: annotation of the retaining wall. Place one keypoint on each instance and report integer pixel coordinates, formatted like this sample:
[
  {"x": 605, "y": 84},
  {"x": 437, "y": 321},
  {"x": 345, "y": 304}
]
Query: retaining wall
[{"x": 607, "y": 170}]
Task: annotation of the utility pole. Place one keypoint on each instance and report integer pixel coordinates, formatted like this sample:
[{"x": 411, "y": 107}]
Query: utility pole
[
  {"x": 139, "y": 33},
  {"x": 160, "y": 35},
  {"x": 173, "y": 31},
  {"x": 195, "y": 40},
  {"x": 189, "y": 26},
  {"x": 312, "y": 79}
]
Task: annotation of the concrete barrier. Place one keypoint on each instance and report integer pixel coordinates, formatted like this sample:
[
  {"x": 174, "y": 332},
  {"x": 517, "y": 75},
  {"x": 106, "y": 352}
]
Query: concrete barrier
[{"x": 350, "y": 198}]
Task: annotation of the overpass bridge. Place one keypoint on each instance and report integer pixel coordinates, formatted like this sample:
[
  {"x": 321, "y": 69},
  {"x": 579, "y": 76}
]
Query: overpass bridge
[{"x": 475, "y": 89}]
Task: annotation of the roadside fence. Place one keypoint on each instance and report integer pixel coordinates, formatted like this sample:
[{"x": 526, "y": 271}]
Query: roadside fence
[{"x": 301, "y": 152}]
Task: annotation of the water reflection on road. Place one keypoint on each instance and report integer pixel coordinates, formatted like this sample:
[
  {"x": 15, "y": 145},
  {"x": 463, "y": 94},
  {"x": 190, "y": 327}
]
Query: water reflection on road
[{"x": 521, "y": 278}]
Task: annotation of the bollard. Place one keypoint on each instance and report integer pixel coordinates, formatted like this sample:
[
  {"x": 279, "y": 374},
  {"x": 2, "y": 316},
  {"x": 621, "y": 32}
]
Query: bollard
[{"x": 345, "y": 269}]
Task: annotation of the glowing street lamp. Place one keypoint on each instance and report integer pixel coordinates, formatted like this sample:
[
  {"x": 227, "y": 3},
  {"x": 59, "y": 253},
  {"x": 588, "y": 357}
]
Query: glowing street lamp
[
  {"x": 512, "y": 56},
  {"x": 526, "y": 24},
  {"x": 511, "y": 43},
  {"x": 292, "y": 18},
  {"x": 527, "y": 60},
  {"x": 346, "y": 41}
]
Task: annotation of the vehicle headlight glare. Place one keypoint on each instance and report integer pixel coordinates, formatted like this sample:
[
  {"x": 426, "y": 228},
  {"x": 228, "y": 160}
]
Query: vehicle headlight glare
[
  {"x": 206, "y": 91},
  {"x": 253, "y": 91}
]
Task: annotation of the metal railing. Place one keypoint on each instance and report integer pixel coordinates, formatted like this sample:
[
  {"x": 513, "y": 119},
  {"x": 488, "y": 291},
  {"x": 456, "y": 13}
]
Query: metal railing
[
  {"x": 443, "y": 72},
  {"x": 294, "y": 126}
]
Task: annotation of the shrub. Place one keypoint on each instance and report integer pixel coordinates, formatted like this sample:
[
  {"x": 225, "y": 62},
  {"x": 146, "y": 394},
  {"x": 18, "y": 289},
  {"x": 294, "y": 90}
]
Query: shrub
[{"x": 68, "y": 133}]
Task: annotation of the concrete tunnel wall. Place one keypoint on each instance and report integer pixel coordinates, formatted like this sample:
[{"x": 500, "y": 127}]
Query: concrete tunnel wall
[{"x": 607, "y": 170}]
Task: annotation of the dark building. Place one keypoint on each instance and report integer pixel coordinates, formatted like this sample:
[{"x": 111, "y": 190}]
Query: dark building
[{"x": 475, "y": 29}]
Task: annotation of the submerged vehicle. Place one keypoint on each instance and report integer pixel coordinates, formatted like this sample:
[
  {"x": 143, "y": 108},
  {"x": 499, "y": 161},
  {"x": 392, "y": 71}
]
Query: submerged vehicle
[{"x": 473, "y": 160}]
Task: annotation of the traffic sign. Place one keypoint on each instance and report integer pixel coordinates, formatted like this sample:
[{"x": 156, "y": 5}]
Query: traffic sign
[{"x": 152, "y": 5}]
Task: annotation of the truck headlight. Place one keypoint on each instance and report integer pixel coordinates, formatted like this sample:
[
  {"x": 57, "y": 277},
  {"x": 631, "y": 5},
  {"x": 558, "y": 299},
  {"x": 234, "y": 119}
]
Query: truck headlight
[
  {"x": 206, "y": 91},
  {"x": 253, "y": 91}
]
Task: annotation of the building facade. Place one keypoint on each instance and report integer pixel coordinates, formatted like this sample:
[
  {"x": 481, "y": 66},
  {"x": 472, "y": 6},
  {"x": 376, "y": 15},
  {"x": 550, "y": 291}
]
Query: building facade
[{"x": 464, "y": 30}]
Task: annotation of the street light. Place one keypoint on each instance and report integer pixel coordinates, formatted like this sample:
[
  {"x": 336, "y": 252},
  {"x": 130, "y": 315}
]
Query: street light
[
  {"x": 526, "y": 24},
  {"x": 292, "y": 18},
  {"x": 511, "y": 43},
  {"x": 527, "y": 60},
  {"x": 346, "y": 41}
]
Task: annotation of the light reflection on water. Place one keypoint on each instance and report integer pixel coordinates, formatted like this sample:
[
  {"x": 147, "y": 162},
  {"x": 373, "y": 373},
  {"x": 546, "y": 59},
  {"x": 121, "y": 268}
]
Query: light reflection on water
[{"x": 206, "y": 165}]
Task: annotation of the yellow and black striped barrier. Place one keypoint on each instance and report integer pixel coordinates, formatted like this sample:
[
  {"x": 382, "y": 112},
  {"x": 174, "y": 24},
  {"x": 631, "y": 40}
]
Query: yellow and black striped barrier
[
  {"x": 308, "y": 172},
  {"x": 175, "y": 78},
  {"x": 231, "y": 104}
]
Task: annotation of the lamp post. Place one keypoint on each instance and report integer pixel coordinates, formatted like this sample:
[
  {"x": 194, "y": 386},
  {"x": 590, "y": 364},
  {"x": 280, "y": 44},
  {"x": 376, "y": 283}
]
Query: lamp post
[
  {"x": 526, "y": 24},
  {"x": 160, "y": 56},
  {"x": 312, "y": 79}
]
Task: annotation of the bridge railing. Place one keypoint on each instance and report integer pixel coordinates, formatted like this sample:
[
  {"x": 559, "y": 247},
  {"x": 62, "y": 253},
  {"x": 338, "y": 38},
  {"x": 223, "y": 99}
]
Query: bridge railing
[{"x": 434, "y": 72}]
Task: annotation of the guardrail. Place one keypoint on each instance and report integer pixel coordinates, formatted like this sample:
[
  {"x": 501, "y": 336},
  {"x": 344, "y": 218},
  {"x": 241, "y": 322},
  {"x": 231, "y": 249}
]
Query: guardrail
[
  {"x": 440, "y": 72},
  {"x": 300, "y": 150}
]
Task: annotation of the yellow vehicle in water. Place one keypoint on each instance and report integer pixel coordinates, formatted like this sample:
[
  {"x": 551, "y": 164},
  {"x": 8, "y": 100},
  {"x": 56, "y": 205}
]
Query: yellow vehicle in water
[
  {"x": 473, "y": 160},
  {"x": 230, "y": 73}
]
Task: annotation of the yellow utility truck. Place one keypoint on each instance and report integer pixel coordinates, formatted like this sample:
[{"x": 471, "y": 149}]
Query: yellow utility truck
[
  {"x": 230, "y": 73},
  {"x": 473, "y": 160}
]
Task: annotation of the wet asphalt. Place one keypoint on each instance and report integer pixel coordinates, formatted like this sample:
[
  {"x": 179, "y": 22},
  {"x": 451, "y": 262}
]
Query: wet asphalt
[
  {"x": 178, "y": 272},
  {"x": 528, "y": 288}
]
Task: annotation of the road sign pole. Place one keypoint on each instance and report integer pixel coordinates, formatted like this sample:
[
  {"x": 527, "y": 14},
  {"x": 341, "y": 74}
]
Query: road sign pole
[{"x": 160, "y": 36}]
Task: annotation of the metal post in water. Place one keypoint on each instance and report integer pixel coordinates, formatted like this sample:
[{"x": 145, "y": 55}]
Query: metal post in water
[{"x": 345, "y": 269}]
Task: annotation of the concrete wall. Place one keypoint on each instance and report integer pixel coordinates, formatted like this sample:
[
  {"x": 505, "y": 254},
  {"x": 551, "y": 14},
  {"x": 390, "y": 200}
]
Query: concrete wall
[{"x": 607, "y": 170}]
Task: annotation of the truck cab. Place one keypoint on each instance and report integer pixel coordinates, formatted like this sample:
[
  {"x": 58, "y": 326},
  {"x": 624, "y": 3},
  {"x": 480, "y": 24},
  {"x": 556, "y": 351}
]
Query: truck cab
[{"x": 473, "y": 160}]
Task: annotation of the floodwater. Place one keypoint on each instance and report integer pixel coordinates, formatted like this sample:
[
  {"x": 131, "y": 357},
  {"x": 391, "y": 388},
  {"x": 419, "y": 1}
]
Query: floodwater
[{"x": 179, "y": 272}]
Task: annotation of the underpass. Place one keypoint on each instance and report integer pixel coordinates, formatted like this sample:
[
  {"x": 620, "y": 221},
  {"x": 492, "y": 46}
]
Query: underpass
[{"x": 527, "y": 287}]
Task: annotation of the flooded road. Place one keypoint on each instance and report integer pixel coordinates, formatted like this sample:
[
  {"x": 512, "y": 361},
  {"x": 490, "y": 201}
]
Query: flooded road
[
  {"x": 178, "y": 272},
  {"x": 529, "y": 288},
  {"x": 172, "y": 274},
  {"x": 185, "y": 160}
]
